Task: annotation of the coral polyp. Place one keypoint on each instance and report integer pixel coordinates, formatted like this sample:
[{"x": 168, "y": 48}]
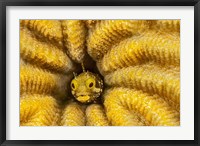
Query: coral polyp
[{"x": 130, "y": 73}]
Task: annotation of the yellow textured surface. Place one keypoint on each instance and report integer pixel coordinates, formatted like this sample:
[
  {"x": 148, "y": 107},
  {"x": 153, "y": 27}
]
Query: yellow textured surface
[
  {"x": 39, "y": 110},
  {"x": 96, "y": 116},
  {"x": 73, "y": 115},
  {"x": 39, "y": 81},
  {"x": 43, "y": 54},
  {"x": 167, "y": 25},
  {"x": 150, "y": 78},
  {"x": 34, "y": 80},
  {"x": 74, "y": 32},
  {"x": 154, "y": 109},
  {"x": 91, "y": 23},
  {"x": 107, "y": 33},
  {"x": 48, "y": 29},
  {"x": 163, "y": 48},
  {"x": 139, "y": 61}
]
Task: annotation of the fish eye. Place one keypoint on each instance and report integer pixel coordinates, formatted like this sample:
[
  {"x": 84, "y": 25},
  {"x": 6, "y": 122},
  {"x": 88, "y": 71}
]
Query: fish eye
[
  {"x": 90, "y": 83},
  {"x": 74, "y": 84}
]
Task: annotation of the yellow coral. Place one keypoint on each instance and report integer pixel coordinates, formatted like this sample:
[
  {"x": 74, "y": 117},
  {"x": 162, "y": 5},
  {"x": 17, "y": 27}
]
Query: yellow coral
[
  {"x": 95, "y": 116},
  {"x": 91, "y": 23},
  {"x": 73, "y": 115},
  {"x": 139, "y": 61},
  {"x": 167, "y": 25},
  {"x": 39, "y": 81},
  {"x": 162, "y": 48},
  {"x": 34, "y": 80},
  {"x": 39, "y": 110},
  {"x": 50, "y": 29},
  {"x": 43, "y": 54},
  {"x": 154, "y": 109},
  {"x": 107, "y": 33},
  {"x": 150, "y": 78},
  {"x": 74, "y": 32}
]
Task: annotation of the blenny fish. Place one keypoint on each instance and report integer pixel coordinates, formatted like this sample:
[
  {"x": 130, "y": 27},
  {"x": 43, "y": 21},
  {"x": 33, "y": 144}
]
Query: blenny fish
[{"x": 86, "y": 87}]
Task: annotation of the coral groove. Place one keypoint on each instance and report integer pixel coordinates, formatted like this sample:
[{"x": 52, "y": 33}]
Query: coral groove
[
  {"x": 43, "y": 54},
  {"x": 167, "y": 25},
  {"x": 150, "y": 78},
  {"x": 48, "y": 29},
  {"x": 107, "y": 33},
  {"x": 39, "y": 110},
  {"x": 73, "y": 115},
  {"x": 96, "y": 116},
  {"x": 162, "y": 48},
  {"x": 154, "y": 109}
]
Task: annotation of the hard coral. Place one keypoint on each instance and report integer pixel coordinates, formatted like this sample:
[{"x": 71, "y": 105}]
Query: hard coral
[{"x": 139, "y": 61}]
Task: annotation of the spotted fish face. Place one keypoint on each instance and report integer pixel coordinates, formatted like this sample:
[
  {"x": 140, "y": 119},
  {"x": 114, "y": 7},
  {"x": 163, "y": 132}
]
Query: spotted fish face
[{"x": 86, "y": 87}]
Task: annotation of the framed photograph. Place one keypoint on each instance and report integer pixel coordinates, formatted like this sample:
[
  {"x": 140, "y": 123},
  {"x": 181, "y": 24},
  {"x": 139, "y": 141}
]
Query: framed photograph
[{"x": 99, "y": 72}]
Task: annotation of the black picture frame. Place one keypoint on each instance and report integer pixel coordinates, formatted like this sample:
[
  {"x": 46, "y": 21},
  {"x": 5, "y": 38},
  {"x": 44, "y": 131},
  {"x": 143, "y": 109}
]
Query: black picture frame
[{"x": 5, "y": 3}]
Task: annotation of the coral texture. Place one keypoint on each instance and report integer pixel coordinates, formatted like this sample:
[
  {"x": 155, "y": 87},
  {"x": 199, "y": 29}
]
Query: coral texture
[
  {"x": 74, "y": 32},
  {"x": 153, "y": 108},
  {"x": 96, "y": 116},
  {"x": 73, "y": 115},
  {"x": 39, "y": 110},
  {"x": 43, "y": 54},
  {"x": 138, "y": 60},
  {"x": 46, "y": 29},
  {"x": 159, "y": 47},
  {"x": 107, "y": 33},
  {"x": 149, "y": 78}
]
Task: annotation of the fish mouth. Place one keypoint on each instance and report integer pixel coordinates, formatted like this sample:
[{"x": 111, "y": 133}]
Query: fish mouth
[{"x": 83, "y": 98}]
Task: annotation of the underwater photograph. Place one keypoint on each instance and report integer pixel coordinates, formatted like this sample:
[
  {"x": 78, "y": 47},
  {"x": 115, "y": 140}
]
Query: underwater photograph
[{"x": 99, "y": 72}]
